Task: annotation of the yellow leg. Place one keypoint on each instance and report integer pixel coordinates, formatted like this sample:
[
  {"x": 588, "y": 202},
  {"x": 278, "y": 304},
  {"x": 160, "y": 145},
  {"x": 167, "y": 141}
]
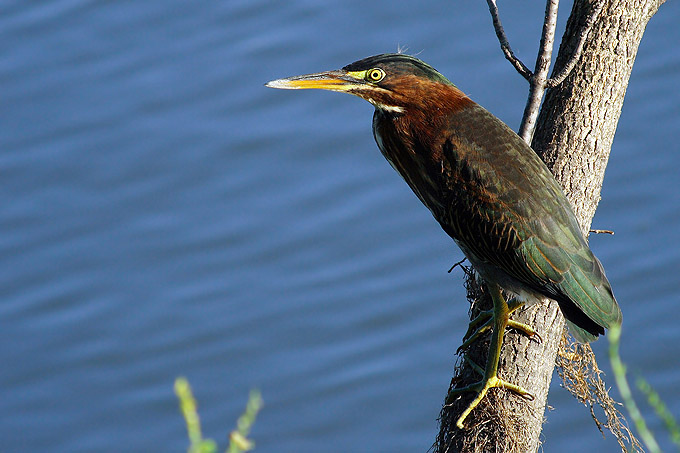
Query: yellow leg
[{"x": 498, "y": 322}]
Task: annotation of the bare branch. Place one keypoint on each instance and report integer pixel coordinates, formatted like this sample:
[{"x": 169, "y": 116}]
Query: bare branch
[
  {"x": 505, "y": 45},
  {"x": 537, "y": 83},
  {"x": 558, "y": 78},
  {"x": 547, "y": 38},
  {"x": 459, "y": 263},
  {"x": 601, "y": 231}
]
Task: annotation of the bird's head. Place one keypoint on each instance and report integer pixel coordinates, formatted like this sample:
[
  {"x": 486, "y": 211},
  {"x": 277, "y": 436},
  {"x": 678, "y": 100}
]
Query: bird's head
[{"x": 391, "y": 82}]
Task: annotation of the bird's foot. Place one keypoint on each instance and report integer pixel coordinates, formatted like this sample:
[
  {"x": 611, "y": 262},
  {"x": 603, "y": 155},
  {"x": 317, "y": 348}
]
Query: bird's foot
[
  {"x": 474, "y": 330},
  {"x": 482, "y": 387},
  {"x": 485, "y": 318},
  {"x": 527, "y": 330}
]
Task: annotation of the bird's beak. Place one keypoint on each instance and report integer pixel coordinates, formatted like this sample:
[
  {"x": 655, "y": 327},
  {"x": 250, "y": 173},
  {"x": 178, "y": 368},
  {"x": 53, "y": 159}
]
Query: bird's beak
[{"x": 338, "y": 80}]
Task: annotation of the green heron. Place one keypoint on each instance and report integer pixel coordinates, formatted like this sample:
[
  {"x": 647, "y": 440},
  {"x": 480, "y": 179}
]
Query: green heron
[{"x": 488, "y": 190}]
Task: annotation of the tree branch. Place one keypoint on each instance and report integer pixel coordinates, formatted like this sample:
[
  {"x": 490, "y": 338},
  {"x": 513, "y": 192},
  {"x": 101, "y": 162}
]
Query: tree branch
[
  {"x": 558, "y": 78},
  {"x": 505, "y": 45},
  {"x": 537, "y": 82}
]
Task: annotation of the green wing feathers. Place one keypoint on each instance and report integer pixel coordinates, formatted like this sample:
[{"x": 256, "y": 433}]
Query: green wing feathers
[{"x": 576, "y": 280}]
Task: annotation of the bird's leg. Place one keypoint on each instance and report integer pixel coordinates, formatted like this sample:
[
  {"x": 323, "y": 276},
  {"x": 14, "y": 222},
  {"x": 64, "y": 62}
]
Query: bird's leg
[
  {"x": 486, "y": 317},
  {"x": 499, "y": 321}
]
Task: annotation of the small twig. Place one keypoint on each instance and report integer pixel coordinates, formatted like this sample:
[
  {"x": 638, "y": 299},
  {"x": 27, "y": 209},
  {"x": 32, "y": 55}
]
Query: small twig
[
  {"x": 505, "y": 45},
  {"x": 601, "y": 231},
  {"x": 537, "y": 83},
  {"x": 456, "y": 265},
  {"x": 562, "y": 74}
]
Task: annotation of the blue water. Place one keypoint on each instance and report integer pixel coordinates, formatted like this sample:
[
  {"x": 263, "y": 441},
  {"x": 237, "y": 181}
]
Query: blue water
[{"x": 164, "y": 214}]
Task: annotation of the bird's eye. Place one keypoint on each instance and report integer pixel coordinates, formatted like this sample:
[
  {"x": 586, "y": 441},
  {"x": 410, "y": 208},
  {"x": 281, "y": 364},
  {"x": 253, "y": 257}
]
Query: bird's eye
[{"x": 375, "y": 75}]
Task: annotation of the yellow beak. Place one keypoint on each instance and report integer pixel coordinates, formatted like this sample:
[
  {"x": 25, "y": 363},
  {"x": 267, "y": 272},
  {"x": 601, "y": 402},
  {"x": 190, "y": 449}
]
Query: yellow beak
[{"x": 338, "y": 80}]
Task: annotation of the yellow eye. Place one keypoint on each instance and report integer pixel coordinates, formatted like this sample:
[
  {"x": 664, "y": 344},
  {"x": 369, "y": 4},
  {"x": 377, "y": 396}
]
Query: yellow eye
[{"x": 375, "y": 75}]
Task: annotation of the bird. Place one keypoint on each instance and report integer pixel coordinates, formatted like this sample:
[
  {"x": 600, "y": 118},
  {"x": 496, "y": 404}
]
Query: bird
[{"x": 489, "y": 191}]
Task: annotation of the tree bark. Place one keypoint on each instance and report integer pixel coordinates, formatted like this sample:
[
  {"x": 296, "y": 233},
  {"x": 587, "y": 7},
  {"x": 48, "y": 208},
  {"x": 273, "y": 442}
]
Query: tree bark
[{"x": 574, "y": 134}]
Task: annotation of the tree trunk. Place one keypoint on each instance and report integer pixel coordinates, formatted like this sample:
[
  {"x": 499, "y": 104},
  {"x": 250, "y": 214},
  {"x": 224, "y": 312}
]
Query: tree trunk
[{"x": 574, "y": 134}]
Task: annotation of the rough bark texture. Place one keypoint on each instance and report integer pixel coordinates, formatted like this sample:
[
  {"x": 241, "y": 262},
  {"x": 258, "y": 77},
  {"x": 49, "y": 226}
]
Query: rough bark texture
[{"x": 575, "y": 131}]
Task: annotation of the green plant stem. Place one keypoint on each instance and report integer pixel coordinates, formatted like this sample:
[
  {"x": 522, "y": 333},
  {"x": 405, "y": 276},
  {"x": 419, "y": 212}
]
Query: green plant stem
[
  {"x": 660, "y": 408},
  {"x": 619, "y": 369},
  {"x": 238, "y": 439}
]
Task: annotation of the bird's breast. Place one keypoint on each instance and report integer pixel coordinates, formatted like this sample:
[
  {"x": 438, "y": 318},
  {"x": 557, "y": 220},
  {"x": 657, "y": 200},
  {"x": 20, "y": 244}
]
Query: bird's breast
[{"x": 414, "y": 155}]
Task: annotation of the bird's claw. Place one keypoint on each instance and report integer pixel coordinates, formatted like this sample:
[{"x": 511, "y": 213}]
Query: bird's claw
[
  {"x": 526, "y": 330},
  {"x": 482, "y": 387},
  {"x": 472, "y": 336},
  {"x": 483, "y": 318}
]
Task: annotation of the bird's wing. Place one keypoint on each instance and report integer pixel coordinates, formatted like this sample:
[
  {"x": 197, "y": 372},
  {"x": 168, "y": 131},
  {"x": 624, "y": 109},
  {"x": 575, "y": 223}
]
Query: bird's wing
[
  {"x": 509, "y": 211},
  {"x": 563, "y": 267}
]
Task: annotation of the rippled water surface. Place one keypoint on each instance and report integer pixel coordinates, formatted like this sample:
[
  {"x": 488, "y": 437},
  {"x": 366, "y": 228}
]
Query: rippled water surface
[{"x": 164, "y": 214}]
